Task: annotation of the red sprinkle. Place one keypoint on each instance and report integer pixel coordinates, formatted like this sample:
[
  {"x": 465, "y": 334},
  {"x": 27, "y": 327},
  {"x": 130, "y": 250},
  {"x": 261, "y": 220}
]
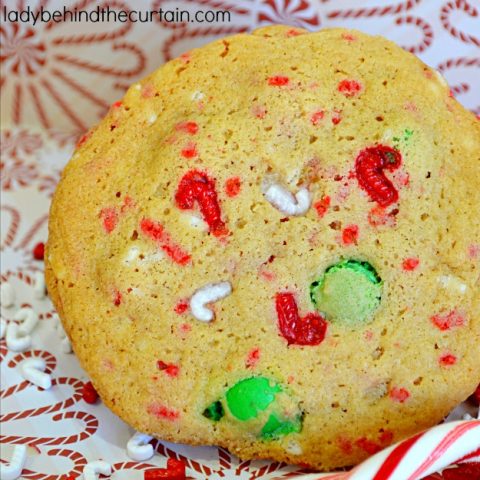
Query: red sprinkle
[
  {"x": 117, "y": 104},
  {"x": 109, "y": 217},
  {"x": 349, "y": 37},
  {"x": 190, "y": 150},
  {"x": 278, "y": 81},
  {"x": 345, "y": 445},
  {"x": 187, "y": 127},
  {"x": 336, "y": 117},
  {"x": 293, "y": 33},
  {"x": 350, "y": 235},
  {"x": 309, "y": 330},
  {"x": 447, "y": 360},
  {"x": 161, "y": 411},
  {"x": 410, "y": 264},
  {"x": 369, "y": 166},
  {"x": 349, "y": 88},
  {"x": 253, "y": 358},
  {"x": 316, "y": 117},
  {"x": 379, "y": 216},
  {"x": 368, "y": 445},
  {"x": 181, "y": 307},
  {"x": 89, "y": 394},
  {"x": 175, "y": 471},
  {"x": 156, "y": 231},
  {"x": 232, "y": 186},
  {"x": 399, "y": 394},
  {"x": 449, "y": 320},
  {"x": 84, "y": 138},
  {"x": 321, "y": 206},
  {"x": 170, "y": 369},
  {"x": 196, "y": 186},
  {"x": 39, "y": 251},
  {"x": 117, "y": 298}
]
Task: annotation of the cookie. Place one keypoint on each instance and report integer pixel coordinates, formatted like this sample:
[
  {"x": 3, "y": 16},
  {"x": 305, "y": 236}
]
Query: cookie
[{"x": 271, "y": 244}]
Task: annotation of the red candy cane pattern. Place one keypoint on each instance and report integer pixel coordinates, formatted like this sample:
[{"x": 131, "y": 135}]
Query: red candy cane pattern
[
  {"x": 445, "y": 19},
  {"x": 374, "y": 11},
  {"x": 426, "y": 30}
]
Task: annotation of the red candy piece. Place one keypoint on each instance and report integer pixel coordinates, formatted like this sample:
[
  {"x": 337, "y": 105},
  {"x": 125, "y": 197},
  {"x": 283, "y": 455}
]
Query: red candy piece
[
  {"x": 157, "y": 232},
  {"x": 278, "y": 81},
  {"x": 187, "y": 127},
  {"x": 369, "y": 169},
  {"x": 232, "y": 186},
  {"x": 410, "y": 264},
  {"x": 169, "y": 368},
  {"x": 89, "y": 394},
  {"x": 181, "y": 307},
  {"x": 309, "y": 330},
  {"x": 164, "y": 412},
  {"x": 322, "y": 206},
  {"x": 449, "y": 320},
  {"x": 349, "y": 88},
  {"x": 399, "y": 394},
  {"x": 39, "y": 251},
  {"x": 109, "y": 217},
  {"x": 196, "y": 186},
  {"x": 447, "y": 359},
  {"x": 350, "y": 235},
  {"x": 190, "y": 150},
  {"x": 175, "y": 471}
]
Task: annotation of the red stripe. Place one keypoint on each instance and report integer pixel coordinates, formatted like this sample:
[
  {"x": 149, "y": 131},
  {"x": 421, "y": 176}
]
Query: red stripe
[
  {"x": 395, "y": 457},
  {"x": 446, "y": 442}
]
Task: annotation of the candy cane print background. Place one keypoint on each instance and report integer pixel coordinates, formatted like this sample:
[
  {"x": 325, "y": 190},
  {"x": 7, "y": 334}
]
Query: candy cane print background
[{"x": 58, "y": 79}]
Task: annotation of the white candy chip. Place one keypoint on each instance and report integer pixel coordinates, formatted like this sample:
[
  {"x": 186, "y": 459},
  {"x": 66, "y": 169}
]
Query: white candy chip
[
  {"x": 449, "y": 281},
  {"x": 13, "y": 470},
  {"x": 16, "y": 341},
  {"x": 28, "y": 319},
  {"x": 92, "y": 469},
  {"x": 33, "y": 370},
  {"x": 39, "y": 286},
  {"x": 197, "y": 95},
  {"x": 294, "y": 448},
  {"x": 152, "y": 118},
  {"x": 7, "y": 295},
  {"x": 138, "y": 448},
  {"x": 210, "y": 293},
  {"x": 285, "y": 201}
]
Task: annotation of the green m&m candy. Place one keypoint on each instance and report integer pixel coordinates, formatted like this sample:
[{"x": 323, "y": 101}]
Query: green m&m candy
[
  {"x": 247, "y": 398},
  {"x": 348, "y": 292},
  {"x": 277, "y": 427}
]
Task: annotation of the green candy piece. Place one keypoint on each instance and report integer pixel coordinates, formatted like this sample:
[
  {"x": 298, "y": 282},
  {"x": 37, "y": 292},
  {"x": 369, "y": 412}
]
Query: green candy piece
[
  {"x": 275, "y": 427},
  {"x": 250, "y": 396},
  {"x": 214, "y": 411},
  {"x": 348, "y": 292}
]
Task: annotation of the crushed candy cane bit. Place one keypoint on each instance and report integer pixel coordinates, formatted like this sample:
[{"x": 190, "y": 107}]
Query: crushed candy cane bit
[
  {"x": 210, "y": 293},
  {"x": 197, "y": 187},
  {"x": 349, "y": 88},
  {"x": 448, "y": 320},
  {"x": 399, "y": 394},
  {"x": 278, "y": 81},
  {"x": 170, "y": 369},
  {"x": 447, "y": 360},
  {"x": 410, "y": 264},
  {"x": 33, "y": 370}
]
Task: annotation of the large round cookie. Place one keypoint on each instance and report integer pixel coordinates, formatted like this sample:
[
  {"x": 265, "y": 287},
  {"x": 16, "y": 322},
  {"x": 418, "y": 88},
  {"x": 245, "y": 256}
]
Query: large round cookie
[{"x": 272, "y": 244}]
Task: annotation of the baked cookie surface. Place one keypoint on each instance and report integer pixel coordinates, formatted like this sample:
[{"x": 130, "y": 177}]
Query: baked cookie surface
[{"x": 271, "y": 244}]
